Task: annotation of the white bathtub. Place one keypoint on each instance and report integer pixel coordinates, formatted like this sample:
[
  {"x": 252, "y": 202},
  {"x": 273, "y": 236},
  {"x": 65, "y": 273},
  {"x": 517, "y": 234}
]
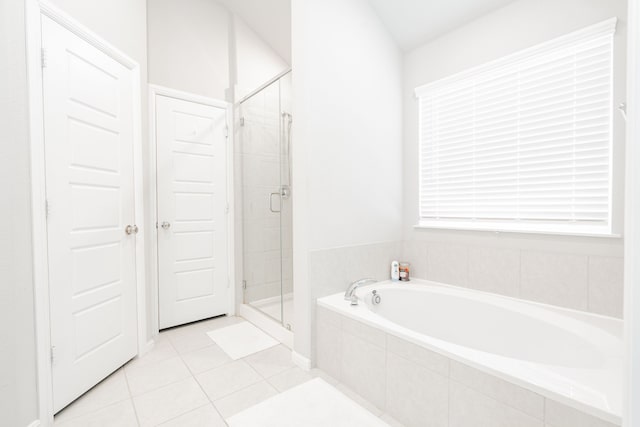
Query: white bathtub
[{"x": 565, "y": 355}]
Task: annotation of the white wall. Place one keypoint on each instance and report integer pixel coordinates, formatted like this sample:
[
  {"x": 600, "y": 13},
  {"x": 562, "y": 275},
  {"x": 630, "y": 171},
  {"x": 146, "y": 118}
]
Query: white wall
[
  {"x": 189, "y": 46},
  {"x": 347, "y": 111},
  {"x": 528, "y": 266},
  {"x": 18, "y": 392},
  {"x": 120, "y": 22},
  {"x": 256, "y": 62},
  {"x": 199, "y": 46}
]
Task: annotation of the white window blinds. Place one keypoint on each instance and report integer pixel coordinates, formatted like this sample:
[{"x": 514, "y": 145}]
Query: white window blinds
[{"x": 523, "y": 143}]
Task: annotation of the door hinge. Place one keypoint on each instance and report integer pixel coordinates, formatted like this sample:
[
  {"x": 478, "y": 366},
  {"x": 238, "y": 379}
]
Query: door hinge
[
  {"x": 241, "y": 121},
  {"x": 226, "y": 208},
  {"x": 46, "y": 209},
  {"x": 226, "y": 131},
  {"x": 43, "y": 57},
  {"x": 244, "y": 284},
  {"x": 53, "y": 354}
]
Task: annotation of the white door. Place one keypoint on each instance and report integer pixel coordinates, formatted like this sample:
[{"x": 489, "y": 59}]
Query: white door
[
  {"x": 192, "y": 205},
  {"x": 88, "y": 129}
]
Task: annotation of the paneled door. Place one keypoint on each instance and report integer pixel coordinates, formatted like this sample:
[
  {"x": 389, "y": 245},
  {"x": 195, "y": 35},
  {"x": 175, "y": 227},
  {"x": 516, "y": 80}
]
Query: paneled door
[
  {"x": 192, "y": 210},
  {"x": 89, "y": 135}
]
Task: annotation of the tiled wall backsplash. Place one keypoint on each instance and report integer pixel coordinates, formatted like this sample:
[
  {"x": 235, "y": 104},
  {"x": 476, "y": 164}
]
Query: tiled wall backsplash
[
  {"x": 584, "y": 282},
  {"x": 331, "y": 270},
  {"x": 591, "y": 283}
]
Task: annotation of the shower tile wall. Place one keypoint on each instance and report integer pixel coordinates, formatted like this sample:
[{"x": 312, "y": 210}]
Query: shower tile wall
[
  {"x": 260, "y": 177},
  {"x": 261, "y": 170}
]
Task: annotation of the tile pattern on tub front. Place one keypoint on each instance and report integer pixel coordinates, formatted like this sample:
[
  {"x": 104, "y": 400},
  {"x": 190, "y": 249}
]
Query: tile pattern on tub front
[
  {"x": 559, "y": 415},
  {"x": 419, "y": 355},
  {"x": 368, "y": 333},
  {"x": 468, "y": 408},
  {"x": 554, "y": 278},
  {"x": 362, "y": 368},
  {"x": 423, "y": 388},
  {"x": 329, "y": 346},
  {"x": 606, "y": 285},
  {"x": 415, "y": 396},
  {"x": 517, "y": 397}
]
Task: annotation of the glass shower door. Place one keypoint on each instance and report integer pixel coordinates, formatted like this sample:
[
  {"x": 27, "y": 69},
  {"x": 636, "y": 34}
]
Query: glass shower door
[{"x": 266, "y": 195}]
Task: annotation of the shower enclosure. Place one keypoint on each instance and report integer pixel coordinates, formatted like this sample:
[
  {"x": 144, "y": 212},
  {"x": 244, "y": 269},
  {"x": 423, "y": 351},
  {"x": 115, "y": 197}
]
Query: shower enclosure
[{"x": 265, "y": 137}]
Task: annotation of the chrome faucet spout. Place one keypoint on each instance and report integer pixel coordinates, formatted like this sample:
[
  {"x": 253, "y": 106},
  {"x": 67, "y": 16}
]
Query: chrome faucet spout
[{"x": 350, "y": 294}]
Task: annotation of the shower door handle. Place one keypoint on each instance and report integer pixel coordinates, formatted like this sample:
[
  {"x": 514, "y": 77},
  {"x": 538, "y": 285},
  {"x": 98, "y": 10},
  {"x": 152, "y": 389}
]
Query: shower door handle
[{"x": 277, "y": 193}]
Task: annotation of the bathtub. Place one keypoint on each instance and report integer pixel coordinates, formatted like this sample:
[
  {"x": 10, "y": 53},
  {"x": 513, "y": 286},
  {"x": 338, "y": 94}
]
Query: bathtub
[{"x": 563, "y": 355}]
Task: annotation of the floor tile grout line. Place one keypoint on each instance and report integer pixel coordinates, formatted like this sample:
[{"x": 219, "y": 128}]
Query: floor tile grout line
[
  {"x": 131, "y": 396},
  {"x": 73, "y": 417},
  {"x": 163, "y": 385},
  {"x": 189, "y": 411},
  {"x": 135, "y": 410},
  {"x": 266, "y": 379},
  {"x": 191, "y": 375},
  {"x": 200, "y": 385}
]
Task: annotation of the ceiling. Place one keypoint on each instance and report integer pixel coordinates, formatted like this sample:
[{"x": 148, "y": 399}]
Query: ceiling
[
  {"x": 415, "y": 22},
  {"x": 270, "y": 19},
  {"x": 410, "y": 22}
]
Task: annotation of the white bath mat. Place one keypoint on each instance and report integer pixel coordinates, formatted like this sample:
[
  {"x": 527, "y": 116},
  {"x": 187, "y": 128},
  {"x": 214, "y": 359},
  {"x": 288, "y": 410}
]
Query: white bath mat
[
  {"x": 241, "y": 339},
  {"x": 312, "y": 404}
]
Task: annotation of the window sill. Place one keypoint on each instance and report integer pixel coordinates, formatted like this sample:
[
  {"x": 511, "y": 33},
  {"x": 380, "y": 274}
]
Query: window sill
[{"x": 498, "y": 229}]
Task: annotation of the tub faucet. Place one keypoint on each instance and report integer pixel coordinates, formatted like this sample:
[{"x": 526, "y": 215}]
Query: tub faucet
[{"x": 350, "y": 294}]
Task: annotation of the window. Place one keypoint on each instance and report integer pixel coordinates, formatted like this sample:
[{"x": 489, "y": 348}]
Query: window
[{"x": 523, "y": 143}]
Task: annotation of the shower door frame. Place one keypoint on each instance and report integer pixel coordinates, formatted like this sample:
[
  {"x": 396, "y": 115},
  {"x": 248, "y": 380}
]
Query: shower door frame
[{"x": 247, "y": 309}]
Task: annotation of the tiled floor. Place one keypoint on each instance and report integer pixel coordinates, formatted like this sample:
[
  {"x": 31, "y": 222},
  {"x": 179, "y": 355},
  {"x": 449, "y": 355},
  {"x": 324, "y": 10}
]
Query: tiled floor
[{"x": 187, "y": 380}]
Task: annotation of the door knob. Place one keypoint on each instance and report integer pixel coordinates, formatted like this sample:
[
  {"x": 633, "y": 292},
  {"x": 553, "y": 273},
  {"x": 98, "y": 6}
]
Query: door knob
[
  {"x": 166, "y": 225},
  {"x": 131, "y": 229}
]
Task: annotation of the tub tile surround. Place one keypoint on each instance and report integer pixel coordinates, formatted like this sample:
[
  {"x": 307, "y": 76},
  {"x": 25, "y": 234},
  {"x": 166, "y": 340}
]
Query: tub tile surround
[
  {"x": 587, "y": 282},
  {"x": 331, "y": 270},
  {"x": 423, "y": 388}
]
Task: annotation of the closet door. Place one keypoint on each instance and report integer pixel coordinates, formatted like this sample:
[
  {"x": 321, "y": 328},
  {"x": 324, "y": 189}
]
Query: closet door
[
  {"x": 88, "y": 128},
  {"x": 192, "y": 206}
]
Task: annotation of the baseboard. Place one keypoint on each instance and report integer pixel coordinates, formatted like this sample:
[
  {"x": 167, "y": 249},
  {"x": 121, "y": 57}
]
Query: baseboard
[
  {"x": 302, "y": 362},
  {"x": 146, "y": 348},
  {"x": 35, "y": 423}
]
